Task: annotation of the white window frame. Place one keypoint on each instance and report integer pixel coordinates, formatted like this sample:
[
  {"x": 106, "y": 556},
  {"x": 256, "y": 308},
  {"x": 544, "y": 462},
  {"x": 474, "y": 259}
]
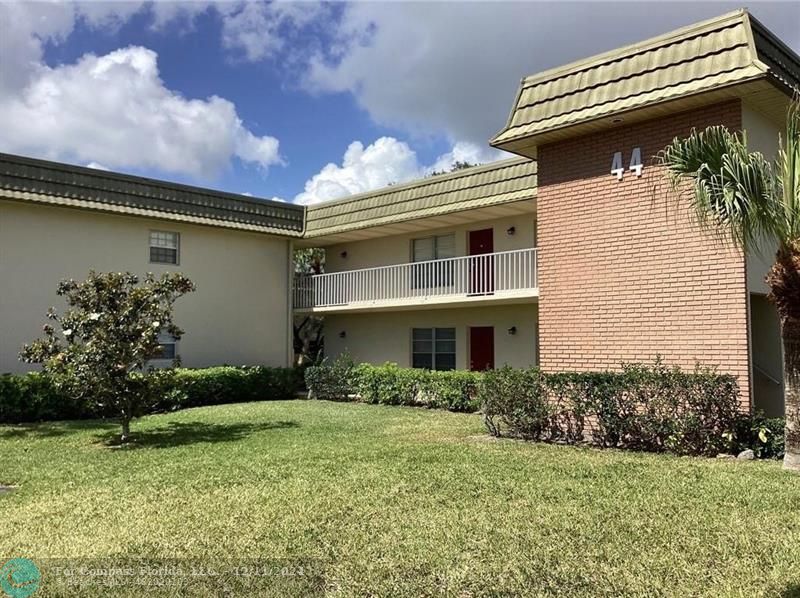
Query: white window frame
[
  {"x": 426, "y": 276},
  {"x": 165, "y": 338},
  {"x": 436, "y": 255},
  {"x": 150, "y": 247},
  {"x": 433, "y": 340}
]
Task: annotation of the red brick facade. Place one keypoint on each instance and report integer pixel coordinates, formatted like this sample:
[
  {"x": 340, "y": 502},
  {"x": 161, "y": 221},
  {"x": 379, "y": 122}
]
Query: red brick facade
[{"x": 625, "y": 274}]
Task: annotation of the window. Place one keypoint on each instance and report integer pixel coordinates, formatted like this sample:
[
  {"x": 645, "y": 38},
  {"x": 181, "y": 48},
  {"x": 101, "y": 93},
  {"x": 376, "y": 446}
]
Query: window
[
  {"x": 429, "y": 250},
  {"x": 433, "y": 348},
  {"x": 167, "y": 347},
  {"x": 434, "y": 248},
  {"x": 164, "y": 247}
]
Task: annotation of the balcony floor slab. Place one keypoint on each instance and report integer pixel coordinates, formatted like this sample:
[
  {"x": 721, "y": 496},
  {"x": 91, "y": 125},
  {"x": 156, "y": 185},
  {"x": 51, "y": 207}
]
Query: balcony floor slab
[{"x": 434, "y": 302}]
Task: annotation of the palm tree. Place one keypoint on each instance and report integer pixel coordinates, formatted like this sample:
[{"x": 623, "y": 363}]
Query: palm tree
[{"x": 749, "y": 199}]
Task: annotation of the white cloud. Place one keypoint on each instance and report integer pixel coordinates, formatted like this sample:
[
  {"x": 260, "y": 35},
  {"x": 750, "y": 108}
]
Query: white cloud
[
  {"x": 116, "y": 109},
  {"x": 466, "y": 151},
  {"x": 251, "y": 31},
  {"x": 170, "y": 12},
  {"x": 112, "y": 109},
  {"x": 24, "y": 28},
  {"x": 97, "y": 166},
  {"x": 453, "y": 69},
  {"x": 384, "y": 162},
  {"x": 258, "y": 30},
  {"x": 387, "y": 161}
]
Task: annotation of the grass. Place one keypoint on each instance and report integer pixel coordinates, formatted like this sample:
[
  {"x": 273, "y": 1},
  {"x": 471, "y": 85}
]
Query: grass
[{"x": 392, "y": 501}]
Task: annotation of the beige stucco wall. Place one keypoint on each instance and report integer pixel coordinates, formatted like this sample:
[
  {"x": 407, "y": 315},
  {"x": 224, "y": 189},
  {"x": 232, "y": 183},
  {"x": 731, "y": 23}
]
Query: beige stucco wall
[
  {"x": 238, "y": 314},
  {"x": 396, "y": 249},
  {"x": 380, "y": 337},
  {"x": 765, "y": 335},
  {"x": 762, "y": 136}
]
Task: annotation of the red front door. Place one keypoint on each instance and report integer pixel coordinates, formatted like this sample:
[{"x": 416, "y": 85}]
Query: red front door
[
  {"x": 481, "y": 244},
  {"x": 481, "y": 348}
]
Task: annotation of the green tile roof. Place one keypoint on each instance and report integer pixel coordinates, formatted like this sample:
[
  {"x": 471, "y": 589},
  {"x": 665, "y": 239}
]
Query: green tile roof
[
  {"x": 40, "y": 181},
  {"x": 481, "y": 186},
  {"x": 44, "y": 182},
  {"x": 728, "y": 50}
]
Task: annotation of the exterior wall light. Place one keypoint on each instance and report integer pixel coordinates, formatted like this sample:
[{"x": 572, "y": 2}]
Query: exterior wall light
[
  {"x": 511, "y": 230},
  {"x": 343, "y": 255},
  {"x": 512, "y": 331},
  {"x": 342, "y": 334}
]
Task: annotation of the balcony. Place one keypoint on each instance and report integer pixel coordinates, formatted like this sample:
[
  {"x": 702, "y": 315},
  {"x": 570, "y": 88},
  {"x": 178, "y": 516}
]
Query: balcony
[{"x": 502, "y": 277}]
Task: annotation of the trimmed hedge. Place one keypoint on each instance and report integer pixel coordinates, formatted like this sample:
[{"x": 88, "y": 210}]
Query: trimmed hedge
[
  {"x": 341, "y": 380},
  {"x": 30, "y": 397},
  {"x": 228, "y": 384},
  {"x": 393, "y": 385},
  {"x": 331, "y": 380},
  {"x": 645, "y": 408},
  {"x": 652, "y": 408}
]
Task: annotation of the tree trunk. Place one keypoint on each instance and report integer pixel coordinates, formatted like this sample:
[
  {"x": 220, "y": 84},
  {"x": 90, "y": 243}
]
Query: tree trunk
[
  {"x": 791, "y": 349},
  {"x": 126, "y": 429}
]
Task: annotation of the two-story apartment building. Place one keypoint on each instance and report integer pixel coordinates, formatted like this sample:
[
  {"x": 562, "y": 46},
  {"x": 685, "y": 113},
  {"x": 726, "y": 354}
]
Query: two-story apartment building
[
  {"x": 580, "y": 258},
  {"x": 59, "y": 221},
  {"x": 440, "y": 273},
  {"x": 574, "y": 255}
]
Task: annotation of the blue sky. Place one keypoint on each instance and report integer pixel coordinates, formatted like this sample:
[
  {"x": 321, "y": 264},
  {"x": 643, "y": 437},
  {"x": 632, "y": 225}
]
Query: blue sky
[
  {"x": 312, "y": 130},
  {"x": 272, "y": 99}
]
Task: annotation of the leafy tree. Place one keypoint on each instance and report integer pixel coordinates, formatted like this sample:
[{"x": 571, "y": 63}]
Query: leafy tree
[
  {"x": 462, "y": 164},
  {"x": 106, "y": 338},
  {"x": 309, "y": 260},
  {"x": 457, "y": 165},
  {"x": 308, "y": 331},
  {"x": 752, "y": 200}
]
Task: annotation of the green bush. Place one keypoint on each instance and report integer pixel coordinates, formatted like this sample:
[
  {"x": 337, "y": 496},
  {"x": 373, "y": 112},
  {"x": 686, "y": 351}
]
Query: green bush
[
  {"x": 331, "y": 380},
  {"x": 652, "y": 408},
  {"x": 392, "y": 385},
  {"x": 229, "y": 384},
  {"x": 455, "y": 391},
  {"x": 763, "y": 435},
  {"x": 514, "y": 402},
  {"x": 388, "y": 384},
  {"x": 31, "y": 397}
]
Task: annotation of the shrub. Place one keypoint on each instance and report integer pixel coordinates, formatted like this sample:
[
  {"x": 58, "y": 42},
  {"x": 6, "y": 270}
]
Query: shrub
[
  {"x": 32, "y": 397},
  {"x": 331, "y": 380},
  {"x": 390, "y": 384},
  {"x": 514, "y": 402},
  {"x": 229, "y": 384},
  {"x": 455, "y": 391},
  {"x": 652, "y": 408},
  {"x": 763, "y": 435}
]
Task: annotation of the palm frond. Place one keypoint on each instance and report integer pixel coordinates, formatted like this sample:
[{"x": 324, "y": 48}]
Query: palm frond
[
  {"x": 788, "y": 185},
  {"x": 731, "y": 189}
]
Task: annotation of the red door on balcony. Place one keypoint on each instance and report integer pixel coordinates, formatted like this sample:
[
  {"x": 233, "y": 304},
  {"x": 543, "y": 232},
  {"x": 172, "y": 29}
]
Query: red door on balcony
[
  {"x": 481, "y": 275},
  {"x": 481, "y": 348}
]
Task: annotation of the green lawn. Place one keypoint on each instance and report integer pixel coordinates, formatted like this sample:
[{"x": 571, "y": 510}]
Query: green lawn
[{"x": 392, "y": 501}]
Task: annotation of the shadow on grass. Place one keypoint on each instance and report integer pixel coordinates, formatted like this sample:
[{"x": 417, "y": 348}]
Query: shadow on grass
[
  {"x": 791, "y": 591},
  {"x": 52, "y": 429},
  {"x": 184, "y": 433}
]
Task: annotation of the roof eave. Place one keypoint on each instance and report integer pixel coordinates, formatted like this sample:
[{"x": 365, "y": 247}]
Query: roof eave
[{"x": 514, "y": 143}]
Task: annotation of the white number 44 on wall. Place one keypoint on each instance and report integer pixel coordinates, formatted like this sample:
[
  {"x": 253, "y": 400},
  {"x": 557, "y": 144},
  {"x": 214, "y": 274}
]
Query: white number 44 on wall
[{"x": 636, "y": 164}]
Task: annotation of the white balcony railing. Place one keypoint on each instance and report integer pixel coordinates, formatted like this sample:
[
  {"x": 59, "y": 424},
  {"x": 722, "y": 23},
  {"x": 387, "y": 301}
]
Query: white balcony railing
[{"x": 506, "y": 273}]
